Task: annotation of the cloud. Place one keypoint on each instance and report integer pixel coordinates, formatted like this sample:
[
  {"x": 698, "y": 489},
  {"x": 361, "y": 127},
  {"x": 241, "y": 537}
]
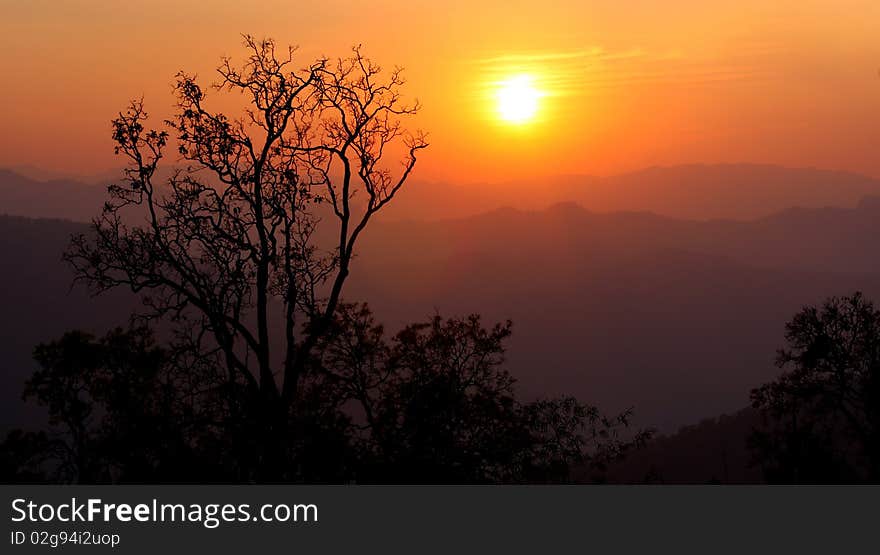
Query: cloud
[{"x": 570, "y": 72}]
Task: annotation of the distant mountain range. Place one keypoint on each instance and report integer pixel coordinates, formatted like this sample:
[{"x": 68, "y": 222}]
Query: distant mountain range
[
  {"x": 696, "y": 192},
  {"x": 61, "y": 198},
  {"x": 38, "y": 303},
  {"x": 663, "y": 306},
  {"x": 714, "y": 450},
  {"x": 676, "y": 318}
]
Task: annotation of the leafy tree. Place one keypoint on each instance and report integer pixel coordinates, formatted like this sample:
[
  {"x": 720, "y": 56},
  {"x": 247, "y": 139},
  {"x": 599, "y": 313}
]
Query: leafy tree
[
  {"x": 823, "y": 413},
  {"x": 119, "y": 411},
  {"x": 32, "y": 457},
  {"x": 435, "y": 404},
  {"x": 259, "y": 223},
  {"x": 432, "y": 404}
]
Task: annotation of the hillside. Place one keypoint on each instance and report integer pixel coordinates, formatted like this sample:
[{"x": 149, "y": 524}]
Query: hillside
[
  {"x": 676, "y": 318},
  {"x": 714, "y": 450},
  {"x": 695, "y": 192},
  {"x": 39, "y": 303}
]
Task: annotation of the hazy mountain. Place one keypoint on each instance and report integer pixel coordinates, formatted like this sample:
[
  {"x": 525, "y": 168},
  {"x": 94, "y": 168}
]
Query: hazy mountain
[
  {"x": 63, "y": 198},
  {"x": 41, "y": 174},
  {"x": 715, "y": 450},
  {"x": 820, "y": 239},
  {"x": 678, "y": 318},
  {"x": 39, "y": 304},
  {"x": 697, "y": 192}
]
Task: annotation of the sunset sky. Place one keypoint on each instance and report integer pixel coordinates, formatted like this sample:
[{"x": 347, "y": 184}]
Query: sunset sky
[{"x": 613, "y": 86}]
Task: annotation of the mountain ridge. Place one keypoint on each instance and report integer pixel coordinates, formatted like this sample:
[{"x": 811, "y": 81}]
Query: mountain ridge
[
  {"x": 678, "y": 317},
  {"x": 742, "y": 192}
]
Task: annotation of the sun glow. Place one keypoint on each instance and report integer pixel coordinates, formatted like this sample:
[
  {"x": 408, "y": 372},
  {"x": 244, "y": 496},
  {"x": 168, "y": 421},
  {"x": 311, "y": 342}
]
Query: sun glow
[{"x": 517, "y": 99}]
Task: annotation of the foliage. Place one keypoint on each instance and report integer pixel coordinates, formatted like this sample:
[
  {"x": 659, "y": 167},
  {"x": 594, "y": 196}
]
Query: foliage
[
  {"x": 823, "y": 412},
  {"x": 432, "y": 404},
  {"x": 435, "y": 403},
  {"x": 117, "y": 410}
]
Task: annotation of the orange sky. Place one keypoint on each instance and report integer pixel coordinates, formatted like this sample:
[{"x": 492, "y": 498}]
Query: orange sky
[{"x": 627, "y": 83}]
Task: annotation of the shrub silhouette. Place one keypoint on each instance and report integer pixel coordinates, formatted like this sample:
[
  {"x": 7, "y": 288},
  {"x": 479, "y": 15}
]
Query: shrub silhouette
[
  {"x": 432, "y": 404},
  {"x": 822, "y": 414},
  {"x": 435, "y": 403},
  {"x": 120, "y": 410}
]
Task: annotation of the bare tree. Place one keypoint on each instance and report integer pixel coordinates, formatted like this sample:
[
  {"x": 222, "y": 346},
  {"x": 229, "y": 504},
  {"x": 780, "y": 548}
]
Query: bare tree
[{"x": 256, "y": 228}]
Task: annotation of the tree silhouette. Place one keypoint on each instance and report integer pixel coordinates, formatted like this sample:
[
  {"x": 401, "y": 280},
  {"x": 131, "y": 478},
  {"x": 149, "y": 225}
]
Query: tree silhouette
[
  {"x": 123, "y": 409},
  {"x": 823, "y": 413},
  {"x": 262, "y": 372},
  {"x": 432, "y": 404},
  {"x": 260, "y": 223},
  {"x": 435, "y": 404}
]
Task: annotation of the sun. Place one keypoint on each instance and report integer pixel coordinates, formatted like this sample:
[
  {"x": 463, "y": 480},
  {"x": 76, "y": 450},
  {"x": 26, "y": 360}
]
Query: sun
[{"x": 518, "y": 99}]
